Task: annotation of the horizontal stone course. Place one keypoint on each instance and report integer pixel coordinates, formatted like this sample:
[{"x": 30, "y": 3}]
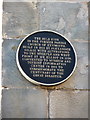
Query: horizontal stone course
[
  {"x": 68, "y": 104},
  {"x": 24, "y": 103},
  {"x": 13, "y": 78}
]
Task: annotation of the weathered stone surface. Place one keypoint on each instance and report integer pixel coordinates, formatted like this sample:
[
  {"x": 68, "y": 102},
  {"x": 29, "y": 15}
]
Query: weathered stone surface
[
  {"x": 69, "y": 1},
  {"x": 11, "y": 77},
  {"x": 19, "y": 18},
  {"x": 24, "y": 103},
  {"x": 69, "y": 19},
  {"x": 69, "y": 104},
  {"x": 21, "y": 1}
]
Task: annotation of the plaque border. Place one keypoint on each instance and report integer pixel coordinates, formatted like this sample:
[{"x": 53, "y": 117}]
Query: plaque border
[{"x": 39, "y": 83}]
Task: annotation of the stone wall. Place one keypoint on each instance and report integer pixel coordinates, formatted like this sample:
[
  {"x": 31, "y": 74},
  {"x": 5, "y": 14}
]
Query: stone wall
[{"x": 22, "y": 99}]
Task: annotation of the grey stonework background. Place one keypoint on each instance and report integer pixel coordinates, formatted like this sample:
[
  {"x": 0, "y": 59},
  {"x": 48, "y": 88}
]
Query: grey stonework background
[{"x": 22, "y": 99}]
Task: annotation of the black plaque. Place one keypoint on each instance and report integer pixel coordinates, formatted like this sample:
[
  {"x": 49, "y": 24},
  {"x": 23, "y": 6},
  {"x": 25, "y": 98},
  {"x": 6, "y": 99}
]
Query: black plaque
[{"x": 46, "y": 58}]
